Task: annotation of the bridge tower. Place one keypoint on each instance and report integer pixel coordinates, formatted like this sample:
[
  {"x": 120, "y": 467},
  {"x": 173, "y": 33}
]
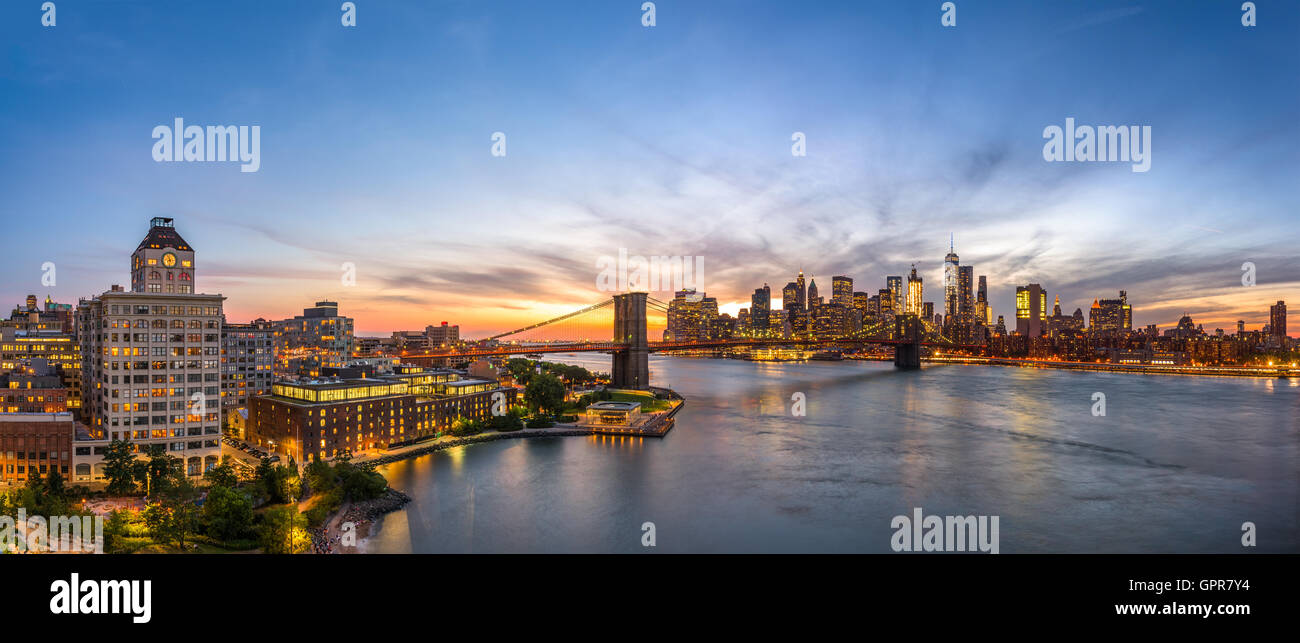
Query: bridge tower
[
  {"x": 907, "y": 353},
  {"x": 631, "y": 364}
]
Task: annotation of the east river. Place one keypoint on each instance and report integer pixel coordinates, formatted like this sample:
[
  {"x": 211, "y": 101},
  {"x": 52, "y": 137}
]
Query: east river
[{"x": 1176, "y": 464}]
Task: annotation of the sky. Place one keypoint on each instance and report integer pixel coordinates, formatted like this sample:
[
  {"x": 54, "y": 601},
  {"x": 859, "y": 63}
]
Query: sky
[{"x": 670, "y": 140}]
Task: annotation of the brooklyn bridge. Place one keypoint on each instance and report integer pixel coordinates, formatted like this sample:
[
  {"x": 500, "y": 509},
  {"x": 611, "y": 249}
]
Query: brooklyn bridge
[{"x": 630, "y": 346}]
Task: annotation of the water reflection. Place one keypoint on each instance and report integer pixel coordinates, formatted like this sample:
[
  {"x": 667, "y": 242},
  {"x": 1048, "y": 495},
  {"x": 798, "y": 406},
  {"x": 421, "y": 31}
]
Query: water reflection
[{"x": 1176, "y": 465}]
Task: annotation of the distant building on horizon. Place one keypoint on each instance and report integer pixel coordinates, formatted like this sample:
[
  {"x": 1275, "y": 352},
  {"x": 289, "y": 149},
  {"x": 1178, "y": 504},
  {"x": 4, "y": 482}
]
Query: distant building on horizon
[
  {"x": 1031, "y": 310},
  {"x": 914, "y": 294}
]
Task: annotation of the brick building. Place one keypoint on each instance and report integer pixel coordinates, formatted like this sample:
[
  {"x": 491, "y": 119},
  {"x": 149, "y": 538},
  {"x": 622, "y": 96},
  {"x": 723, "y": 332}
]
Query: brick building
[{"x": 33, "y": 444}]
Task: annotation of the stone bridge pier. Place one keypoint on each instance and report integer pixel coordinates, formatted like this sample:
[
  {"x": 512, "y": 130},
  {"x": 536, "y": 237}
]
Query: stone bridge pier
[
  {"x": 907, "y": 353},
  {"x": 631, "y": 367}
]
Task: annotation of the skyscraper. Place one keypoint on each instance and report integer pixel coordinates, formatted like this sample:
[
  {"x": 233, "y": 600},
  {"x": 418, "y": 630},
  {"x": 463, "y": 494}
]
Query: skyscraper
[
  {"x": 1111, "y": 314},
  {"x": 965, "y": 297},
  {"x": 950, "y": 264},
  {"x": 914, "y": 293},
  {"x": 801, "y": 294},
  {"x": 812, "y": 293},
  {"x": 760, "y": 309},
  {"x": 1031, "y": 308},
  {"x": 842, "y": 291},
  {"x": 895, "y": 285},
  {"x": 790, "y": 300},
  {"x": 1277, "y": 318},
  {"x": 685, "y": 316},
  {"x": 983, "y": 314}
]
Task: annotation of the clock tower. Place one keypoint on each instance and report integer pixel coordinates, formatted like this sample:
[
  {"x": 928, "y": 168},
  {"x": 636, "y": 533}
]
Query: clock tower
[{"x": 164, "y": 262}]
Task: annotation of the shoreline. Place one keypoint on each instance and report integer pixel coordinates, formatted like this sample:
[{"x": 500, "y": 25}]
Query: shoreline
[
  {"x": 1135, "y": 369},
  {"x": 1265, "y": 372}
]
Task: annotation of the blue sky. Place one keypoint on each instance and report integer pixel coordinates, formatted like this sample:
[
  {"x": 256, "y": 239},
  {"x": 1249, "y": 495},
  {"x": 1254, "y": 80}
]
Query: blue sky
[{"x": 665, "y": 140}]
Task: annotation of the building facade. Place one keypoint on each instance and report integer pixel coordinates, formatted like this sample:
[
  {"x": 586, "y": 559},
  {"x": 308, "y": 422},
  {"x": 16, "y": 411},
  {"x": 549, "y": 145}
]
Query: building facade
[
  {"x": 326, "y": 418},
  {"x": 247, "y": 362},
  {"x": 317, "y": 338},
  {"x": 151, "y": 358},
  {"x": 34, "y": 444}
]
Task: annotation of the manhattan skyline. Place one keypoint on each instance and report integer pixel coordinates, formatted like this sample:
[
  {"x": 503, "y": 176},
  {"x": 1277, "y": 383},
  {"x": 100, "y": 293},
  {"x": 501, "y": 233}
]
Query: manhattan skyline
[{"x": 665, "y": 141}]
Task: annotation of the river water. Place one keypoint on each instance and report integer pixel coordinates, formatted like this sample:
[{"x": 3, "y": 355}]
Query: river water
[{"x": 1176, "y": 464}]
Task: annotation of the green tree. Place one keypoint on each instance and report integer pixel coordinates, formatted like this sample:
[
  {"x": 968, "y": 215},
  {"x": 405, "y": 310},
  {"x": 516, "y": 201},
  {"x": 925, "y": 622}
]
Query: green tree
[
  {"x": 54, "y": 484},
  {"x": 544, "y": 393},
  {"x": 120, "y": 468},
  {"x": 227, "y": 512},
  {"x": 175, "y": 516},
  {"x": 222, "y": 475},
  {"x": 116, "y": 530},
  {"x": 160, "y": 468},
  {"x": 284, "y": 531},
  {"x": 277, "y": 482},
  {"x": 521, "y": 369}
]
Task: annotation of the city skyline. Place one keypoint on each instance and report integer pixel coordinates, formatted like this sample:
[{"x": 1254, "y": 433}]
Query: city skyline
[
  {"x": 934, "y": 295},
  {"x": 670, "y": 143}
]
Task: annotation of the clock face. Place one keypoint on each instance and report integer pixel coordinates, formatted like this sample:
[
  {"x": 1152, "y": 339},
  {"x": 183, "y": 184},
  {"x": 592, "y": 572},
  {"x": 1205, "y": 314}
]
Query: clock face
[{"x": 169, "y": 260}]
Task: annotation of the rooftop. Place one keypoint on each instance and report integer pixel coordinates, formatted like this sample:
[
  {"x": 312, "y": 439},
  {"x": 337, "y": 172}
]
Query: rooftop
[
  {"x": 163, "y": 235},
  {"x": 614, "y": 406}
]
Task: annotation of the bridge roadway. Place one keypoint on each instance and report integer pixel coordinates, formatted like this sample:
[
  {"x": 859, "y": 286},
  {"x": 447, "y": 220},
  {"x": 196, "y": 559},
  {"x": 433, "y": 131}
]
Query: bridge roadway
[{"x": 653, "y": 347}]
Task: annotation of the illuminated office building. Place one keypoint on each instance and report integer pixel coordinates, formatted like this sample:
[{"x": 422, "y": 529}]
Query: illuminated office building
[
  {"x": 983, "y": 313},
  {"x": 316, "y": 339},
  {"x": 912, "y": 306},
  {"x": 151, "y": 358},
  {"x": 965, "y": 296},
  {"x": 895, "y": 285},
  {"x": 842, "y": 291},
  {"x": 1111, "y": 314},
  {"x": 1277, "y": 319},
  {"x": 31, "y": 349},
  {"x": 1031, "y": 310},
  {"x": 761, "y": 309},
  {"x": 801, "y": 293},
  {"x": 886, "y": 302},
  {"x": 790, "y": 300},
  {"x": 326, "y": 418},
  {"x": 950, "y": 300}
]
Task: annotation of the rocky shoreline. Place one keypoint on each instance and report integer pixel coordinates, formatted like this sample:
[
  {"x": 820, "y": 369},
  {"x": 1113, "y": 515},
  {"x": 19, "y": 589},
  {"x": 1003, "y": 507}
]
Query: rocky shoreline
[{"x": 362, "y": 515}]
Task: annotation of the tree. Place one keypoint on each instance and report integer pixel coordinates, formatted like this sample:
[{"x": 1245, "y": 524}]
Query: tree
[
  {"x": 521, "y": 369},
  {"x": 544, "y": 393},
  {"x": 175, "y": 516},
  {"x": 120, "y": 468},
  {"x": 160, "y": 468},
  {"x": 280, "y": 484},
  {"x": 227, "y": 512},
  {"x": 463, "y": 426},
  {"x": 116, "y": 529},
  {"x": 284, "y": 531},
  {"x": 222, "y": 475},
  {"x": 54, "y": 484}
]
